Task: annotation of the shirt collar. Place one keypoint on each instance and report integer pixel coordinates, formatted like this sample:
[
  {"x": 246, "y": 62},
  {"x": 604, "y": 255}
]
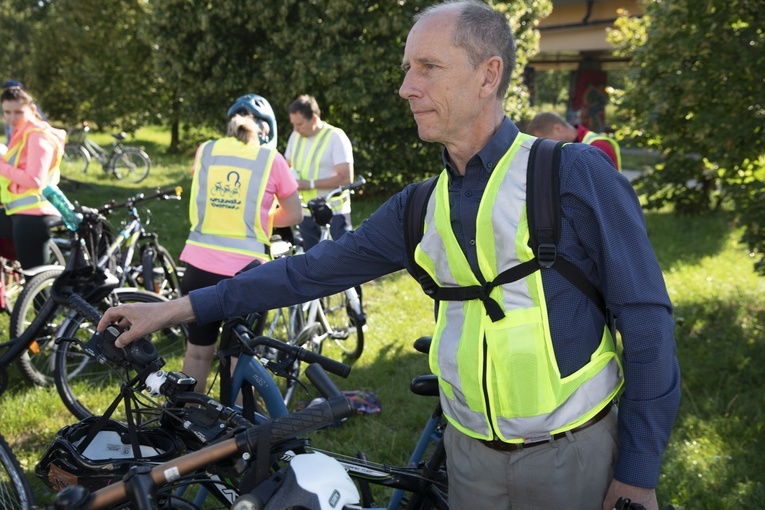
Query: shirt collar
[{"x": 488, "y": 157}]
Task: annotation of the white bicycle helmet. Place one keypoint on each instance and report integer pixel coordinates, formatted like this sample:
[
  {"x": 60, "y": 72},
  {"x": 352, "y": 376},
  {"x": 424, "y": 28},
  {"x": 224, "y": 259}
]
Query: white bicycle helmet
[{"x": 314, "y": 481}]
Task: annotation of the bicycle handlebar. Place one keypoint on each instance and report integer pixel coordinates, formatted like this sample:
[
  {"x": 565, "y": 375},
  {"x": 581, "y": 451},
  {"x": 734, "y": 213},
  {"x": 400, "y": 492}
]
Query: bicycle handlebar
[
  {"x": 360, "y": 181},
  {"x": 250, "y": 342},
  {"x": 138, "y": 355},
  {"x": 336, "y": 407},
  {"x": 173, "y": 193}
]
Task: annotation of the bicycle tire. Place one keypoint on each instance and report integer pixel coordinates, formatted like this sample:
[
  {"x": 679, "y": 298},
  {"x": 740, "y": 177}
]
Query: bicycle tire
[
  {"x": 15, "y": 490},
  {"x": 76, "y": 159},
  {"x": 86, "y": 386},
  {"x": 14, "y": 279},
  {"x": 131, "y": 164},
  {"x": 346, "y": 327},
  {"x": 36, "y": 363}
]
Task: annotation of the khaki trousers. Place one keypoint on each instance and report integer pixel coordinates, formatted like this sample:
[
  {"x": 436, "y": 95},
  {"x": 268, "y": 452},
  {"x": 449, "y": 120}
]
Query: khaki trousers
[{"x": 572, "y": 472}]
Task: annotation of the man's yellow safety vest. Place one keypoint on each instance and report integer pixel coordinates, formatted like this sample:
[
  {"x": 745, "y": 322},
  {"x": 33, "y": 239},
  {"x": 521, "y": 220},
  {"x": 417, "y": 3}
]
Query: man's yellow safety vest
[
  {"x": 307, "y": 164},
  {"x": 499, "y": 378}
]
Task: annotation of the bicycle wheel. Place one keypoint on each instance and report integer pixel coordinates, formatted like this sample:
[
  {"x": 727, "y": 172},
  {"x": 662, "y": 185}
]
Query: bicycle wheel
[
  {"x": 13, "y": 277},
  {"x": 132, "y": 164},
  {"x": 346, "y": 323},
  {"x": 88, "y": 387},
  {"x": 15, "y": 491},
  {"x": 159, "y": 272},
  {"x": 36, "y": 363},
  {"x": 76, "y": 159}
]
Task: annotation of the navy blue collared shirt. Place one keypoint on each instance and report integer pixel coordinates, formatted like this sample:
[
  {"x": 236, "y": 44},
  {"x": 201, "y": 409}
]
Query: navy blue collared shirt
[{"x": 603, "y": 233}]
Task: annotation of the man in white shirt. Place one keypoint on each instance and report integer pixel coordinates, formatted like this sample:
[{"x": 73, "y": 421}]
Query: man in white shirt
[{"x": 322, "y": 157}]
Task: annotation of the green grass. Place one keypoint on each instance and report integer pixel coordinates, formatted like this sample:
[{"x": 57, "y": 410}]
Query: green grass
[{"x": 715, "y": 456}]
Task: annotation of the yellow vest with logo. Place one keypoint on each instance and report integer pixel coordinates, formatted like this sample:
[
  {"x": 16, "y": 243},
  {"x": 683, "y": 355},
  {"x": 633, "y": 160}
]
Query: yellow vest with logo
[
  {"x": 31, "y": 199},
  {"x": 227, "y": 195},
  {"x": 592, "y": 137},
  {"x": 501, "y": 379},
  {"x": 307, "y": 164}
]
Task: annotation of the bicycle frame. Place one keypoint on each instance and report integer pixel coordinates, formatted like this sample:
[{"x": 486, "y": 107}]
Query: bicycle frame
[
  {"x": 253, "y": 371},
  {"x": 80, "y": 256},
  {"x": 313, "y": 310},
  {"x": 95, "y": 150}
]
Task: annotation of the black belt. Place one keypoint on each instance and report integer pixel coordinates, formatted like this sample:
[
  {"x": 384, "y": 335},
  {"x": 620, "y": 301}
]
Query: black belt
[{"x": 498, "y": 444}]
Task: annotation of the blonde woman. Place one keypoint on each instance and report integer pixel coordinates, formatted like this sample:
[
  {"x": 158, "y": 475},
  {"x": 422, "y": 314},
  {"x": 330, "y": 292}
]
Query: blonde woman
[{"x": 238, "y": 181}]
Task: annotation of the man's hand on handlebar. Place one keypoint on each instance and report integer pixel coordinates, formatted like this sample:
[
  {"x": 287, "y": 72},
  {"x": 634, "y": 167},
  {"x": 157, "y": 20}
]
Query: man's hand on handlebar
[{"x": 141, "y": 319}]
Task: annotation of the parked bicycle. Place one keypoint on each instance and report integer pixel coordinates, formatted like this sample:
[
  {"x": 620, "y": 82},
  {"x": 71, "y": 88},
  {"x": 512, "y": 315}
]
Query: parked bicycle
[
  {"x": 247, "y": 467},
  {"x": 341, "y": 316},
  {"x": 97, "y": 250},
  {"x": 194, "y": 419},
  {"x": 12, "y": 277},
  {"x": 122, "y": 161}
]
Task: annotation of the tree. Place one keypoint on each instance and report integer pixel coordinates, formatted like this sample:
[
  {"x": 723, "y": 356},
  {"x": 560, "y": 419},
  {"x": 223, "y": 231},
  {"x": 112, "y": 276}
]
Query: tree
[
  {"x": 19, "y": 24},
  {"x": 93, "y": 62},
  {"x": 698, "y": 96},
  {"x": 347, "y": 53}
]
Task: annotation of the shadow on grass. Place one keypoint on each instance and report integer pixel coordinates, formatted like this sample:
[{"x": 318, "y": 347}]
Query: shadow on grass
[
  {"x": 715, "y": 459},
  {"x": 680, "y": 239}
]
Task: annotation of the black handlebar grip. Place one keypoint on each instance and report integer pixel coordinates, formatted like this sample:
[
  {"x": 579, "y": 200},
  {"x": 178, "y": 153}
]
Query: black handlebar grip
[
  {"x": 300, "y": 422},
  {"x": 328, "y": 364},
  {"x": 302, "y": 354},
  {"x": 321, "y": 381},
  {"x": 422, "y": 344},
  {"x": 84, "y": 308}
]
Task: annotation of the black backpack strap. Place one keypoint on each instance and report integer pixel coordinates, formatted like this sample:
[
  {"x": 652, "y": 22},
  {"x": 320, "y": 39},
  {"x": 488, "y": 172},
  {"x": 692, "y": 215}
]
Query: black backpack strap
[
  {"x": 544, "y": 217},
  {"x": 414, "y": 227},
  {"x": 543, "y": 199}
]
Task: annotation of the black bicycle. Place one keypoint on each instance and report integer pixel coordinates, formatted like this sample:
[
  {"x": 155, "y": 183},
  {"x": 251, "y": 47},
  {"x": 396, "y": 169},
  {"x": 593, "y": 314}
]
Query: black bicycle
[
  {"x": 256, "y": 465},
  {"x": 133, "y": 255}
]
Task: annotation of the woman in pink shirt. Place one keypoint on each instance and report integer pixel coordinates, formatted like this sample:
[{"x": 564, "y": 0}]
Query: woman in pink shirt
[
  {"x": 29, "y": 165},
  {"x": 237, "y": 185}
]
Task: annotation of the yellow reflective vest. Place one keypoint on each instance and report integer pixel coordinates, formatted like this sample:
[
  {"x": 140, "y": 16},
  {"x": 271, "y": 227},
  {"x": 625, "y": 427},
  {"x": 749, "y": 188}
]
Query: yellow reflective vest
[
  {"x": 226, "y": 197},
  {"x": 307, "y": 162},
  {"x": 592, "y": 137},
  {"x": 32, "y": 199},
  {"x": 501, "y": 379}
]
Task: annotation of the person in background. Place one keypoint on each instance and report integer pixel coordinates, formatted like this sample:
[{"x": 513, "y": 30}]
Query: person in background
[
  {"x": 529, "y": 391},
  {"x": 322, "y": 157},
  {"x": 8, "y": 128},
  {"x": 238, "y": 182},
  {"x": 30, "y": 163},
  {"x": 553, "y": 126}
]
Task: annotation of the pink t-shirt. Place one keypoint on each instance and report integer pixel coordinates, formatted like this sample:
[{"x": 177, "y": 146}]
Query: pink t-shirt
[{"x": 281, "y": 184}]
